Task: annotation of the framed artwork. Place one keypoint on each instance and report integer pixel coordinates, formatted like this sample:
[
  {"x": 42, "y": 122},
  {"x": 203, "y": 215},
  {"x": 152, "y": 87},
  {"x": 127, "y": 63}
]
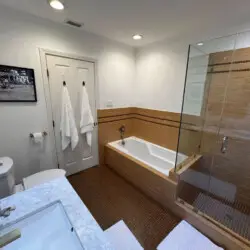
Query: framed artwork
[{"x": 17, "y": 84}]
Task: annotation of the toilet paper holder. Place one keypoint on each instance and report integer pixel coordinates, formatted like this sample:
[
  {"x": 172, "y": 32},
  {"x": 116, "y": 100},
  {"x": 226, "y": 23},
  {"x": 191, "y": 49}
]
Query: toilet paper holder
[{"x": 43, "y": 133}]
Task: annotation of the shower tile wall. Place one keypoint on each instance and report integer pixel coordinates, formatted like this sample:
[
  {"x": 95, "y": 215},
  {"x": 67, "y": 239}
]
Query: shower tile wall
[
  {"x": 109, "y": 122},
  {"x": 232, "y": 167}
]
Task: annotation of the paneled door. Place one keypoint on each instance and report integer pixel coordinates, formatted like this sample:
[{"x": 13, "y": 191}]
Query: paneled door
[{"x": 74, "y": 72}]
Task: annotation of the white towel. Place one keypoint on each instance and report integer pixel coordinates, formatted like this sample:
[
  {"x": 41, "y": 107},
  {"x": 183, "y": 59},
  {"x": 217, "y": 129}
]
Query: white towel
[
  {"x": 186, "y": 237},
  {"x": 121, "y": 237},
  {"x": 87, "y": 120},
  {"x": 68, "y": 126}
]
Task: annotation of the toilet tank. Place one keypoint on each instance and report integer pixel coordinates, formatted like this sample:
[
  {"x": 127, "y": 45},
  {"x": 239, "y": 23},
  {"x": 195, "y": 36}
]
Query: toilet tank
[{"x": 7, "y": 180}]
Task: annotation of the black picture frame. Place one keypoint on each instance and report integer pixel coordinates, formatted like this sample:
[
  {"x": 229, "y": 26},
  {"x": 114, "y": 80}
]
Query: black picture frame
[{"x": 17, "y": 84}]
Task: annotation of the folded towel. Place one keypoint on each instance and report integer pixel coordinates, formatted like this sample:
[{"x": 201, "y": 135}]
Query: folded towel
[
  {"x": 121, "y": 237},
  {"x": 87, "y": 120},
  {"x": 186, "y": 237},
  {"x": 68, "y": 126}
]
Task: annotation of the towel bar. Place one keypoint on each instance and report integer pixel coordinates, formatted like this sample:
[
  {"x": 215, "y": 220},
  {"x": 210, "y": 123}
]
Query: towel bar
[{"x": 44, "y": 134}]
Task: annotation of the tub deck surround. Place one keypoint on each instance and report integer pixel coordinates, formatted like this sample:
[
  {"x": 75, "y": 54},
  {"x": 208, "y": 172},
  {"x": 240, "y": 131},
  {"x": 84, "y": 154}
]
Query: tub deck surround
[
  {"x": 191, "y": 162},
  {"x": 147, "y": 166},
  {"x": 150, "y": 181},
  {"x": 89, "y": 232}
]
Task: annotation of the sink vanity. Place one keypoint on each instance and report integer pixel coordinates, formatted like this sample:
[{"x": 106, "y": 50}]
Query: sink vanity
[{"x": 51, "y": 216}]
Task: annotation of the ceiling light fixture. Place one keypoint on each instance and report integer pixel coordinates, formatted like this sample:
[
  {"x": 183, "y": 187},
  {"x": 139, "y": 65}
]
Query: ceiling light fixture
[
  {"x": 56, "y": 4},
  {"x": 200, "y": 43},
  {"x": 137, "y": 37}
]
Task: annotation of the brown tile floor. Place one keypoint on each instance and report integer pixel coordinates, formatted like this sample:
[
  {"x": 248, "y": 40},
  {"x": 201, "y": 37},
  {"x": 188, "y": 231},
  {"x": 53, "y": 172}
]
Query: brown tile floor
[{"x": 110, "y": 199}]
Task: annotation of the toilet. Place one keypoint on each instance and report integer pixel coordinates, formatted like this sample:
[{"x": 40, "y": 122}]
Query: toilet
[{"x": 7, "y": 179}]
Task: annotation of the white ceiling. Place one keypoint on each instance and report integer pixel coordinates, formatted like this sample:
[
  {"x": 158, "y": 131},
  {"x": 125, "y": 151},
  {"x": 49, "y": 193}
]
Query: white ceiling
[{"x": 155, "y": 19}]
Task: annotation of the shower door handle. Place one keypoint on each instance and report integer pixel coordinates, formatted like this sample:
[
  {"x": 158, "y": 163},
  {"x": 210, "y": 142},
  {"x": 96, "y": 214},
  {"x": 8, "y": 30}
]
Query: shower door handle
[{"x": 224, "y": 145}]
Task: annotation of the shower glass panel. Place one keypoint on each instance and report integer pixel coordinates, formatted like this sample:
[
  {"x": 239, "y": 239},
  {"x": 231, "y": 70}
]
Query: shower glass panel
[
  {"x": 190, "y": 143},
  {"x": 215, "y": 133}
]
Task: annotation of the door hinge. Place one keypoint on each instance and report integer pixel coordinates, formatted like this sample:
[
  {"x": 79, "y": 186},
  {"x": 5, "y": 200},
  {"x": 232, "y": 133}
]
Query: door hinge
[
  {"x": 53, "y": 123},
  {"x": 47, "y": 73}
]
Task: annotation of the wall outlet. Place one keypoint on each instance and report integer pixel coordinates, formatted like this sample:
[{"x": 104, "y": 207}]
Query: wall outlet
[{"x": 109, "y": 104}]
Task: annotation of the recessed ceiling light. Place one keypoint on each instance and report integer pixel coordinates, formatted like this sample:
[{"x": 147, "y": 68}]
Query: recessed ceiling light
[
  {"x": 56, "y": 4},
  {"x": 137, "y": 37},
  {"x": 200, "y": 43}
]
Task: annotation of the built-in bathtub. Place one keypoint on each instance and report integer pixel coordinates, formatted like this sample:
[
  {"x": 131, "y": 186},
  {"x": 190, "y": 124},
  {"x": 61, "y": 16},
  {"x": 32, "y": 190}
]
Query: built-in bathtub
[
  {"x": 147, "y": 166},
  {"x": 159, "y": 158}
]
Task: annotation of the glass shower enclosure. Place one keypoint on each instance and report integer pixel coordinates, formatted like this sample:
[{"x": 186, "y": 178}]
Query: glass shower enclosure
[{"x": 215, "y": 133}]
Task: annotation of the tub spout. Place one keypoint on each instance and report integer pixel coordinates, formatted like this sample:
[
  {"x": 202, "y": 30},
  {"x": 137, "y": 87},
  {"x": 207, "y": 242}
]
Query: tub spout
[{"x": 122, "y": 131}]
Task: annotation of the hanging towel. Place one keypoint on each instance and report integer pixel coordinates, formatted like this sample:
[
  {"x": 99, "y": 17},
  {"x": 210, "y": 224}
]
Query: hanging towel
[
  {"x": 68, "y": 126},
  {"x": 87, "y": 120}
]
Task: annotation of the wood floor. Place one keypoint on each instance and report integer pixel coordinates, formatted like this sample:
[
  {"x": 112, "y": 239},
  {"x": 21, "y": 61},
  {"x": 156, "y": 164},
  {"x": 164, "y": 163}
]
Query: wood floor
[{"x": 110, "y": 199}]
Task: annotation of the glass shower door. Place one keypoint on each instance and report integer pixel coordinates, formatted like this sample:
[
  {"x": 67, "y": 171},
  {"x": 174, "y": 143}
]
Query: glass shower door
[
  {"x": 230, "y": 172},
  {"x": 218, "y": 185},
  {"x": 192, "y": 181},
  {"x": 202, "y": 127}
]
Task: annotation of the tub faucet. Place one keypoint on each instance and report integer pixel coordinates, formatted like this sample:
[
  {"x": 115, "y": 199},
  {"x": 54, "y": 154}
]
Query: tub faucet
[
  {"x": 6, "y": 211},
  {"x": 122, "y": 131}
]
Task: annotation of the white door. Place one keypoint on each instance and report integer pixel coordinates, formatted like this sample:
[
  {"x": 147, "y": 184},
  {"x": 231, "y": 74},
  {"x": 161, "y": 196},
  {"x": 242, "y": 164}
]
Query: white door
[{"x": 74, "y": 73}]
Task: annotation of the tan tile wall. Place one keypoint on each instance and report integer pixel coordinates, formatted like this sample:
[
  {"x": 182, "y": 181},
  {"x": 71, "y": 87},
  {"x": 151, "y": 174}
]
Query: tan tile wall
[{"x": 159, "y": 127}]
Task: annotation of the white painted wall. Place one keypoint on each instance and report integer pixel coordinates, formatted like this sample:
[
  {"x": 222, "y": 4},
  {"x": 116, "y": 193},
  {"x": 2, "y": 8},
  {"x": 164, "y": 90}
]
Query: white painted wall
[
  {"x": 160, "y": 75},
  {"x": 195, "y": 82},
  {"x": 21, "y": 37}
]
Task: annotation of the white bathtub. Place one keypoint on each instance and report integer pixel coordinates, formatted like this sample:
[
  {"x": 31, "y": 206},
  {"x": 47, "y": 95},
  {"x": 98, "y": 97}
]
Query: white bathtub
[{"x": 157, "y": 157}]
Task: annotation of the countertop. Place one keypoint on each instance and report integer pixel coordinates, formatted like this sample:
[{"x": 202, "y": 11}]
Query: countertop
[{"x": 88, "y": 230}]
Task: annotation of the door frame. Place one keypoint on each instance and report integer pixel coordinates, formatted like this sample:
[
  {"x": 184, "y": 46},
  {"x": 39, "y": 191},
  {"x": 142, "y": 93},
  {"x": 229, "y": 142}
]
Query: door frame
[{"x": 45, "y": 79}]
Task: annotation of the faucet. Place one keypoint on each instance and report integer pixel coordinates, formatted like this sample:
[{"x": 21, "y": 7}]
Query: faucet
[
  {"x": 8, "y": 238},
  {"x": 122, "y": 131},
  {"x": 6, "y": 211}
]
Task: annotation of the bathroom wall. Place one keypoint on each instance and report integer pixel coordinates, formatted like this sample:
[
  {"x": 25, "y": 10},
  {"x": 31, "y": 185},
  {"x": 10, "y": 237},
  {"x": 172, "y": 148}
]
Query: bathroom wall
[
  {"x": 21, "y": 36},
  {"x": 160, "y": 75}
]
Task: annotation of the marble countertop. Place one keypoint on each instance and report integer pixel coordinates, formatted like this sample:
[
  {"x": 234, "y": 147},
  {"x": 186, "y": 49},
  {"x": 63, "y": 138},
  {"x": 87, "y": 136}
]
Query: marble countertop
[{"x": 88, "y": 230}]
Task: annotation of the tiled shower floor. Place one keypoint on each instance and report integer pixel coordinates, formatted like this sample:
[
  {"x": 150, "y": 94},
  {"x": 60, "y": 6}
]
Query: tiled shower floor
[
  {"x": 235, "y": 216},
  {"x": 227, "y": 215}
]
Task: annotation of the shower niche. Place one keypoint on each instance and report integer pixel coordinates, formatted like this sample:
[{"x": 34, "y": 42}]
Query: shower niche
[{"x": 215, "y": 130}]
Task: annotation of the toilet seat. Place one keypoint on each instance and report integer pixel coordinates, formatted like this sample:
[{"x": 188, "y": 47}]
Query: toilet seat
[
  {"x": 7, "y": 178},
  {"x": 42, "y": 177}
]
